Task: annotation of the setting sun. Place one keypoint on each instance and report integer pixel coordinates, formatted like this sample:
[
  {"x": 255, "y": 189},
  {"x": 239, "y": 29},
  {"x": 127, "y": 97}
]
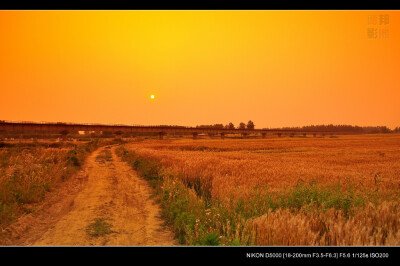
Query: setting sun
[{"x": 152, "y": 96}]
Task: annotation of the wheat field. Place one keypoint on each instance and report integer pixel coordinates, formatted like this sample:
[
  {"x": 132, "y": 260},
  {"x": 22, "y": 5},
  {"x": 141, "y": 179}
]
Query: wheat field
[{"x": 338, "y": 190}]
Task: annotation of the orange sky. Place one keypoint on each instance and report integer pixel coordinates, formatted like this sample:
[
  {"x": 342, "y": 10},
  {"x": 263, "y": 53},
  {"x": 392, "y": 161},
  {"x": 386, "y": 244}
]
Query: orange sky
[{"x": 277, "y": 68}]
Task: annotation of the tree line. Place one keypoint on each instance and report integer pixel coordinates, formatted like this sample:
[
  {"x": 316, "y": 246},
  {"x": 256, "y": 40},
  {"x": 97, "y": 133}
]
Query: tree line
[
  {"x": 342, "y": 128},
  {"x": 242, "y": 125},
  {"x": 329, "y": 127}
]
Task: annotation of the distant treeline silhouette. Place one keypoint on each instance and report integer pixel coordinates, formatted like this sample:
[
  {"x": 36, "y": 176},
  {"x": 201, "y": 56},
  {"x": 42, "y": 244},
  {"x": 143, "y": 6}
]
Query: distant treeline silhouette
[
  {"x": 330, "y": 127},
  {"x": 249, "y": 125},
  {"x": 342, "y": 128}
]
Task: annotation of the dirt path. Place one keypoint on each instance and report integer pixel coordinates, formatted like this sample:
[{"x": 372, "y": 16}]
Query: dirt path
[{"x": 113, "y": 208}]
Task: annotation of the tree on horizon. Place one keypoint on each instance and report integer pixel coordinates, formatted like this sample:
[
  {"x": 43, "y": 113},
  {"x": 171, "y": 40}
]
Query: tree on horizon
[{"x": 250, "y": 125}]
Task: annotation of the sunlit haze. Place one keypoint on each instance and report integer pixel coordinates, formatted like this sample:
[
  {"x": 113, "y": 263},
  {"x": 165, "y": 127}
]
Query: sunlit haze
[{"x": 277, "y": 68}]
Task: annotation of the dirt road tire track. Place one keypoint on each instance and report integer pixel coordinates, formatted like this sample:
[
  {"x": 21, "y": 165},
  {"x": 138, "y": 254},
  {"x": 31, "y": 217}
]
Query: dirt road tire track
[{"x": 109, "y": 190}]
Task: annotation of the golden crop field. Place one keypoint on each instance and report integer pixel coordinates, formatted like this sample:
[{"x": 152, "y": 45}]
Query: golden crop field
[{"x": 340, "y": 190}]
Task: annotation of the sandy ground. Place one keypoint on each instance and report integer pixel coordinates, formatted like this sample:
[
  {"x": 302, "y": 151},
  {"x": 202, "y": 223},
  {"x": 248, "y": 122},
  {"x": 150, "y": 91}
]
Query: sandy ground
[{"x": 106, "y": 189}]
